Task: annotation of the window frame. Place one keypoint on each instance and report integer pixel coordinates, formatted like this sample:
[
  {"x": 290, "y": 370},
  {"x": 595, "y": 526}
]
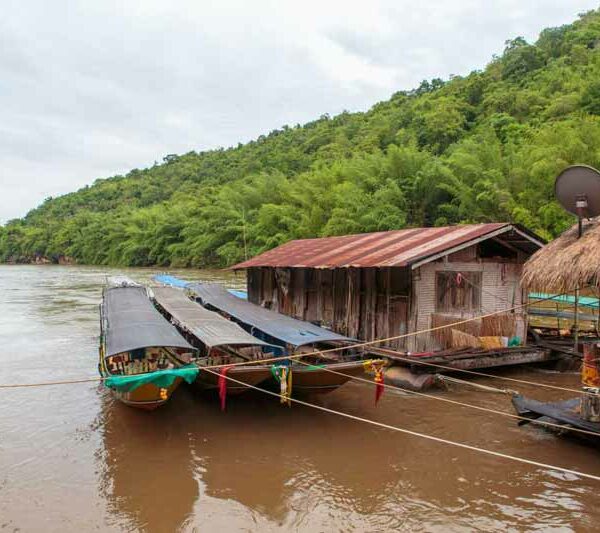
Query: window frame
[{"x": 462, "y": 292}]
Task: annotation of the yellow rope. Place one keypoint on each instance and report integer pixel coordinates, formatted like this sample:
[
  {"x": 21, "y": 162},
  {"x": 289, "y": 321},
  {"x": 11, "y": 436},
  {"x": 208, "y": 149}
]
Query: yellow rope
[
  {"x": 422, "y": 435},
  {"x": 379, "y": 341},
  {"x": 462, "y": 404},
  {"x": 351, "y": 346},
  {"x": 46, "y": 383}
]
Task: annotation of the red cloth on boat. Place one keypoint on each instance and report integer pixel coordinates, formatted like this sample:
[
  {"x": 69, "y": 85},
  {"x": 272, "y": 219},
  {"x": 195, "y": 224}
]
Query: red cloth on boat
[
  {"x": 380, "y": 387},
  {"x": 223, "y": 386}
]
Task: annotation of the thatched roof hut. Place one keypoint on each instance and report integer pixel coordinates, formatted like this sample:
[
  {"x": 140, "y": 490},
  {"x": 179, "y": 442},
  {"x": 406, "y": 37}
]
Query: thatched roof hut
[{"x": 567, "y": 263}]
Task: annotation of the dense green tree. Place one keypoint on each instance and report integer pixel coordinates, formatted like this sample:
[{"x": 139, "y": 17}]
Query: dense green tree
[
  {"x": 520, "y": 58},
  {"x": 476, "y": 148}
]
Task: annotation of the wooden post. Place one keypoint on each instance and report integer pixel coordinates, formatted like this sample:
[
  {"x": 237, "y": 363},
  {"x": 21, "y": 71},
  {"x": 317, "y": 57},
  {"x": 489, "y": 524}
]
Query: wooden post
[
  {"x": 590, "y": 377},
  {"x": 590, "y": 368},
  {"x": 576, "y": 335},
  {"x": 388, "y": 290}
]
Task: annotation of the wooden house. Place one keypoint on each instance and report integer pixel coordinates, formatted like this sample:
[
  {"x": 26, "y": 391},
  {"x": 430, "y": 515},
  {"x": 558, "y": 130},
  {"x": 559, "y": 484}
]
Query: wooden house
[{"x": 385, "y": 284}]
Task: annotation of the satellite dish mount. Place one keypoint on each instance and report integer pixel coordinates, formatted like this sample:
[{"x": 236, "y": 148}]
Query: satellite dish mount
[
  {"x": 581, "y": 205},
  {"x": 577, "y": 189}
]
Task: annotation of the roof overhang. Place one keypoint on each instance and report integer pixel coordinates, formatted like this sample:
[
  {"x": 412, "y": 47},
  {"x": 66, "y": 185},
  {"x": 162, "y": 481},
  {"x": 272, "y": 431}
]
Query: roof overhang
[{"x": 528, "y": 236}]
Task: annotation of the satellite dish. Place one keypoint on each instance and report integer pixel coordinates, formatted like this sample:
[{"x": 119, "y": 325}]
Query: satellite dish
[{"x": 577, "y": 189}]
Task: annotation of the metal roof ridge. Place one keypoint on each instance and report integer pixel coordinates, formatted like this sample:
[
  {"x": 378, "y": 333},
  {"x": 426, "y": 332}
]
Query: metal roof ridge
[{"x": 318, "y": 256}]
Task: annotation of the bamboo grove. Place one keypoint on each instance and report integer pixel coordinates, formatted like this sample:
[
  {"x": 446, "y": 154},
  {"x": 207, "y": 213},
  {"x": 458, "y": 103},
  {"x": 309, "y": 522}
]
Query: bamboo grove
[{"x": 476, "y": 148}]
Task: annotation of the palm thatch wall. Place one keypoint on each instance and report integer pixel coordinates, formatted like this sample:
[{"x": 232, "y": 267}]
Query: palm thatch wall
[{"x": 567, "y": 263}]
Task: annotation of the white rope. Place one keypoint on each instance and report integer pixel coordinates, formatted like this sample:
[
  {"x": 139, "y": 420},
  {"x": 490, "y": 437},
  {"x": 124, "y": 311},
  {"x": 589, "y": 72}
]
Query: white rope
[
  {"x": 417, "y": 434},
  {"x": 463, "y": 404}
]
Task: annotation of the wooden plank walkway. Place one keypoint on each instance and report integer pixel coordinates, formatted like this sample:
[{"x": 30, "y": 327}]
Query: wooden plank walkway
[{"x": 470, "y": 358}]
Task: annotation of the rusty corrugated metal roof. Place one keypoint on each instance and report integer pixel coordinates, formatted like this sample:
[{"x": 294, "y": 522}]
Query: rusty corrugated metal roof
[{"x": 399, "y": 248}]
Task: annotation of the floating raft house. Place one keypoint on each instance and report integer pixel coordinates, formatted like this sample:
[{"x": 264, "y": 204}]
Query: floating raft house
[{"x": 385, "y": 284}]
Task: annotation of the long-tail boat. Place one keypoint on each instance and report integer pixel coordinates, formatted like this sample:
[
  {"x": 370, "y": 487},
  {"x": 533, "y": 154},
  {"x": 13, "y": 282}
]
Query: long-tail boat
[
  {"x": 293, "y": 336},
  {"x": 143, "y": 358},
  {"x": 220, "y": 342}
]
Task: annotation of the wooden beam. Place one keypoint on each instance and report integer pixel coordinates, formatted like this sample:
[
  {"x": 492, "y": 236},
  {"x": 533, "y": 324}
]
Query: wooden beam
[{"x": 506, "y": 245}]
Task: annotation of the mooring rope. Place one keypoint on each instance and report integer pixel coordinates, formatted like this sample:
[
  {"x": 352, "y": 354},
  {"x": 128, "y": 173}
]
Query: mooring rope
[
  {"x": 47, "y": 383},
  {"x": 397, "y": 355},
  {"x": 483, "y": 374},
  {"x": 357, "y": 378},
  {"x": 463, "y": 404},
  {"x": 421, "y": 435},
  {"x": 456, "y": 381}
]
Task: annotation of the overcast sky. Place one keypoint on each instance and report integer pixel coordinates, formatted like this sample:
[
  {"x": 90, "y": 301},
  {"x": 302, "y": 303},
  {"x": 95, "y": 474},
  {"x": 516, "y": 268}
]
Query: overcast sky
[{"x": 89, "y": 89}]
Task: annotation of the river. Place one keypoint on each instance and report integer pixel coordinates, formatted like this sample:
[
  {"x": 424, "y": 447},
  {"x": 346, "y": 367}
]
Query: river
[{"x": 72, "y": 459}]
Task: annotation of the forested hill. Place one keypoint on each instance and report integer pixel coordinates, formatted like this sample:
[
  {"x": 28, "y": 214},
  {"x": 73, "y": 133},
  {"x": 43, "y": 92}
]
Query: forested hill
[{"x": 483, "y": 147}]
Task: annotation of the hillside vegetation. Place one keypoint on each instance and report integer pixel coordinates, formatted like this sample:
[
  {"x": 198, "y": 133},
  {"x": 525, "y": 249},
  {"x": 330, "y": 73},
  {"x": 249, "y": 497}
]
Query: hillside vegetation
[{"x": 483, "y": 147}]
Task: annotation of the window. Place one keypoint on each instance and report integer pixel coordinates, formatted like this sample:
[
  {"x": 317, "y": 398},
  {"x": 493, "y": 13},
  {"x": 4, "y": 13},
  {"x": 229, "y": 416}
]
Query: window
[{"x": 457, "y": 291}]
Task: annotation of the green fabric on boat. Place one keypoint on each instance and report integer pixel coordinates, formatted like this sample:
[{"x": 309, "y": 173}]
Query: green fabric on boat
[
  {"x": 275, "y": 371},
  {"x": 514, "y": 341},
  {"x": 160, "y": 378}
]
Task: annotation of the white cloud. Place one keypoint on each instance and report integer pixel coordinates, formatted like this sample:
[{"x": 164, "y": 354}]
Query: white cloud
[{"x": 89, "y": 89}]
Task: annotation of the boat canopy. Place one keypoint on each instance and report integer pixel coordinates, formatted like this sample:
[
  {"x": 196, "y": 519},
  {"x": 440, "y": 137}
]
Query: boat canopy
[
  {"x": 210, "y": 327},
  {"x": 132, "y": 322},
  {"x": 282, "y": 327}
]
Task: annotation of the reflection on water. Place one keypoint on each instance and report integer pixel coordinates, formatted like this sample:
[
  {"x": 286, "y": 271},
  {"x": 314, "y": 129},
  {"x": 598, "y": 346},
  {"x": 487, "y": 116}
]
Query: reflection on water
[
  {"x": 146, "y": 466},
  {"x": 71, "y": 458}
]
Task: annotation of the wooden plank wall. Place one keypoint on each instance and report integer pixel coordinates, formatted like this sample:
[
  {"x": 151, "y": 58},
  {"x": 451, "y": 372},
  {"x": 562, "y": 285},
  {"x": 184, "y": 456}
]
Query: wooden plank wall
[{"x": 367, "y": 303}]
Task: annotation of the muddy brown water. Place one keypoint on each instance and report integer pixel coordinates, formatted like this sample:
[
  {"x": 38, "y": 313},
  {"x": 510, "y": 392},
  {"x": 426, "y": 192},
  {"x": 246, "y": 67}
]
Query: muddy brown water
[{"x": 72, "y": 459}]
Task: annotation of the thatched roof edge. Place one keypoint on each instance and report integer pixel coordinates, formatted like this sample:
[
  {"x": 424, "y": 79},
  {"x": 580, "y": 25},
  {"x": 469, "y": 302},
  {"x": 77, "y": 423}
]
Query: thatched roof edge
[{"x": 567, "y": 263}]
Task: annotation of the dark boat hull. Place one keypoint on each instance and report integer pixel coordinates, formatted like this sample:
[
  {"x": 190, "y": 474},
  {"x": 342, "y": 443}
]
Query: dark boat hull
[
  {"x": 323, "y": 380},
  {"x": 564, "y": 413},
  {"x": 147, "y": 397}
]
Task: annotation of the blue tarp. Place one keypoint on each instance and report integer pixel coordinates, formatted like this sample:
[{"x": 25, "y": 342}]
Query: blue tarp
[
  {"x": 585, "y": 301},
  {"x": 240, "y": 294},
  {"x": 173, "y": 281}
]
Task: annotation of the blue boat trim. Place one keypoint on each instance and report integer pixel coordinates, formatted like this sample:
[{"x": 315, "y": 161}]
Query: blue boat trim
[{"x": 585, "y": 301}]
